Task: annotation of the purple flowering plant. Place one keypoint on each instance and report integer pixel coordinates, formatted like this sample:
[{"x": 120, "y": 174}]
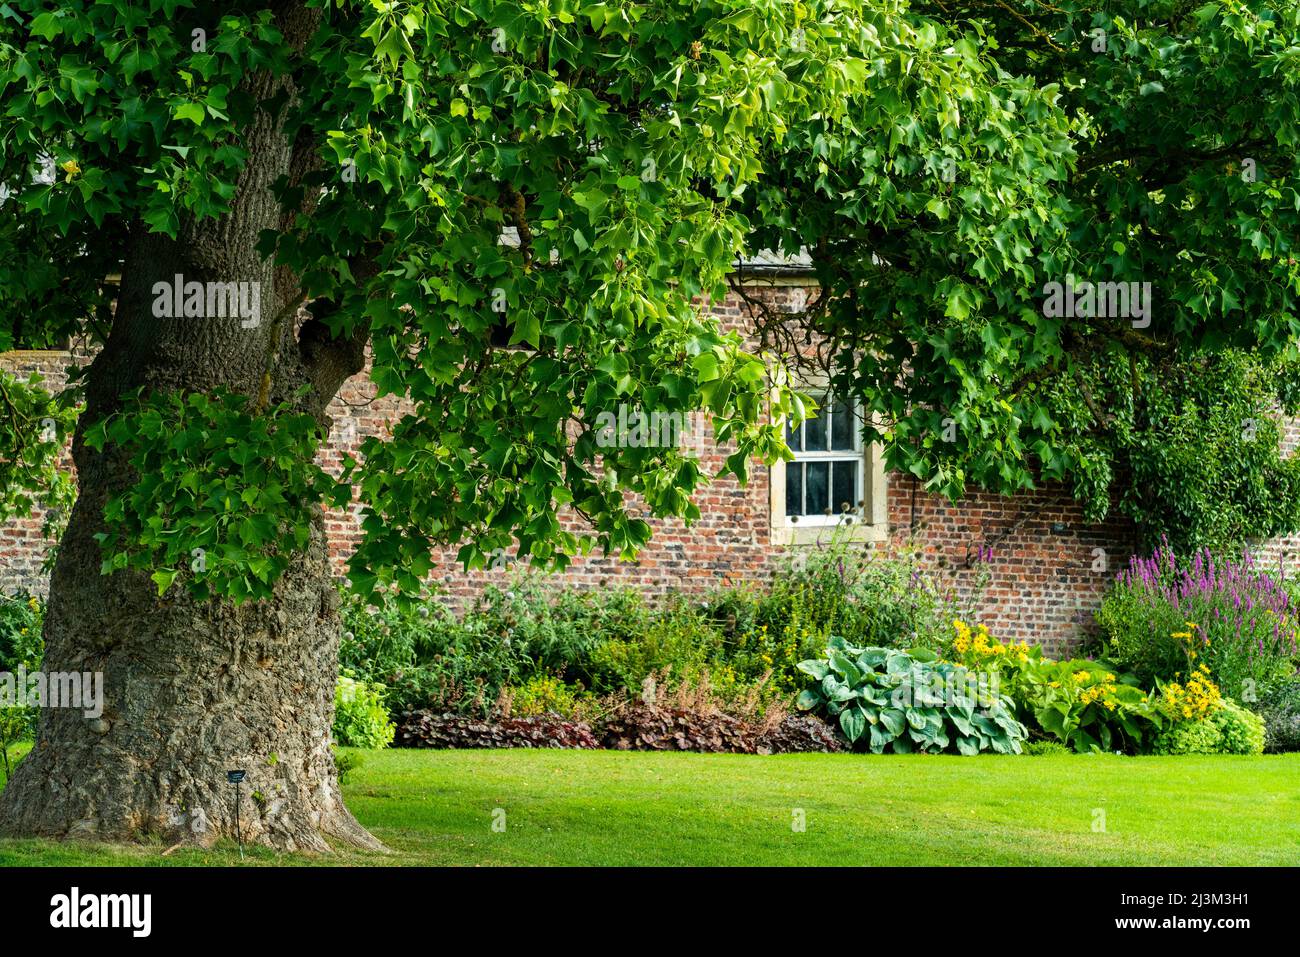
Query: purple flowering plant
[{"x": 1165, "y": 616}]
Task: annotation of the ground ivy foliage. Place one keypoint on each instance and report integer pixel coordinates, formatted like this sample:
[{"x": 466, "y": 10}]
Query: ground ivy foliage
[
  {"x": 33, "y": 429},
  {"x": 221, "y": 496}
]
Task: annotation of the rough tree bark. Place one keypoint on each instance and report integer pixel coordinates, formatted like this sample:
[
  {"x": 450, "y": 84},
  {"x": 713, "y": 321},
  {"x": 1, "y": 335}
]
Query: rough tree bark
[{"x": 195, "y": 689}]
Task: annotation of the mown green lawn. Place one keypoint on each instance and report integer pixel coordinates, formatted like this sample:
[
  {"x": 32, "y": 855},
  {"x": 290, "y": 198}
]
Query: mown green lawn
[{"x": 614, "y": 808}]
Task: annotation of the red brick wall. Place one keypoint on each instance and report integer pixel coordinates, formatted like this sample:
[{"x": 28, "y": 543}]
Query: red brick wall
[
  {"x": 1029, "y": 563},
  {"x": 1029, "y": 566},
  {"x": 1033, "y": 583}
]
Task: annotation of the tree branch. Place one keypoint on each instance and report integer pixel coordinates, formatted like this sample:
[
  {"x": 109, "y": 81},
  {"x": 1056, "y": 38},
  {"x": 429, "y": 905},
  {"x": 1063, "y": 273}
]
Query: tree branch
[{"x": 329, "y": 360}]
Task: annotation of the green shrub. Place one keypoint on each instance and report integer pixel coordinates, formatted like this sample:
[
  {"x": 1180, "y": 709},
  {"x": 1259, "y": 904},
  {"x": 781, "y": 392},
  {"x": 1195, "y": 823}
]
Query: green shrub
[
  {"x": 743, "y": 645},
  {"x": 679, "y": 641},
  {"x": 1242, "y": 730},
  {"x": 1046, "y": 748},
  {"x": 1166, "y": 615},
  {"x": 1201, "y": 736},
  {"x": 468, "y": 663},
  {"x": 345, "y": 763},
  {"x": 1280, "y": 712},
  {"x": 758, "y": 655},
  {"x": 431, "y": 686},
  {"x": 16, "y": 724},
  {"x": 360, "y": 718},
  {"x": 850, "y": 590},
  {"x": 761, "y": 644},
  {"x": 546, "y": 694},
  {"x": 426, "y": 657},
  {"x": 22, "y": 618},
  {"x": 1136, "y": 633},
  {"x": 1088, "y": 705},
  {"x": 559, "y": 631},
  {"x": 380, "y": 641},
  {"x": 1229, "y": 729},
  {"x": 735, "y": 610},
  {"x": 905, "y": 702}
]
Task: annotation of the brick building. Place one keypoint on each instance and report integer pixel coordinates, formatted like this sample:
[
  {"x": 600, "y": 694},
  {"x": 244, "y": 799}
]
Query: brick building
[{"x": 1029, "y": 565}]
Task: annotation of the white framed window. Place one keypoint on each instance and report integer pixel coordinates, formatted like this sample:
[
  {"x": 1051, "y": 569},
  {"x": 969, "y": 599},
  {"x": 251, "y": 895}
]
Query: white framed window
[
  {"x": 824, "y": 483},
  {"x": 835, "y": 482}
]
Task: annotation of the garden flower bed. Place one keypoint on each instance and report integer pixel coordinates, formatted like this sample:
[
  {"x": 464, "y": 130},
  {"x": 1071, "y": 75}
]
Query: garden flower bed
[{"x": 871, "y": 647}]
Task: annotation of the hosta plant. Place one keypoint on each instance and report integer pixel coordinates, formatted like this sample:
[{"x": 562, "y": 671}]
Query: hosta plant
[{"x": 886, "y": 699}]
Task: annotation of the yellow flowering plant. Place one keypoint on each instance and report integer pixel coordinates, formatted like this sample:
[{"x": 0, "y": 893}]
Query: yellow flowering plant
[
  {"x": 776, "y": 652},
  {"x": 1086, "y": 704},
  {"x": 21, "y": 621},
  {"x": 976, "y": 649},
  {"x": 1192, "y": 699},
  {"x": 21, "y": 645}
]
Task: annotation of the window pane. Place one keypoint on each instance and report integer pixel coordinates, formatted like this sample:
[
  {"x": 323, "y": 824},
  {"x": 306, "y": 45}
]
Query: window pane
[
  {"x": 843, "y": 424},
  {"x": 814, "y": 432},
  {"x": 794, "y": 437},
  {"x": 793, "y": 488},
  {"x": 817, "y": 477},
  {"x": 844, "y": 486}
]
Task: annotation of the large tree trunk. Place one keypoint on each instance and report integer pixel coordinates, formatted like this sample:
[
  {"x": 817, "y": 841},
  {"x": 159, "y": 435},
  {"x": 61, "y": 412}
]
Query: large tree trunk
[{"x": 191, "y": 689}]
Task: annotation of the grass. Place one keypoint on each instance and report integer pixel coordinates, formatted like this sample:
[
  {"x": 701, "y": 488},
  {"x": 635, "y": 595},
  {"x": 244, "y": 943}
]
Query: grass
[{"x": 616, "y": 808}]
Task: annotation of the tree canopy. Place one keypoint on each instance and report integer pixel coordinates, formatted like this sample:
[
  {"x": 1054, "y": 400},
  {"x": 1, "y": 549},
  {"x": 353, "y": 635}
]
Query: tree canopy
[
  {"x": 518, "y": 206},
  {"x": 1148, "y": 143}
]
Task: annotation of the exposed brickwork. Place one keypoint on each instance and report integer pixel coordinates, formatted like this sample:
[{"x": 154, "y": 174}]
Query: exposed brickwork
[
  {"x": 23, "y": 546},
  {"x": 1029, "y": 563}
]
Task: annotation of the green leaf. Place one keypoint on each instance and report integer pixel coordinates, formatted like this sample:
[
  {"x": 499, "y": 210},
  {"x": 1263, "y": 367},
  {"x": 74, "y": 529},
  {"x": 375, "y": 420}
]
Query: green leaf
[
  {"x": 853, "y": 723},
  {"x": 818, "y": 668},
  {"x": 894, "y": 720},
  {"x": 46, "y": 25},
  {"x": 193, "y": 112},
  {"x": 163, "y": 578}
]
